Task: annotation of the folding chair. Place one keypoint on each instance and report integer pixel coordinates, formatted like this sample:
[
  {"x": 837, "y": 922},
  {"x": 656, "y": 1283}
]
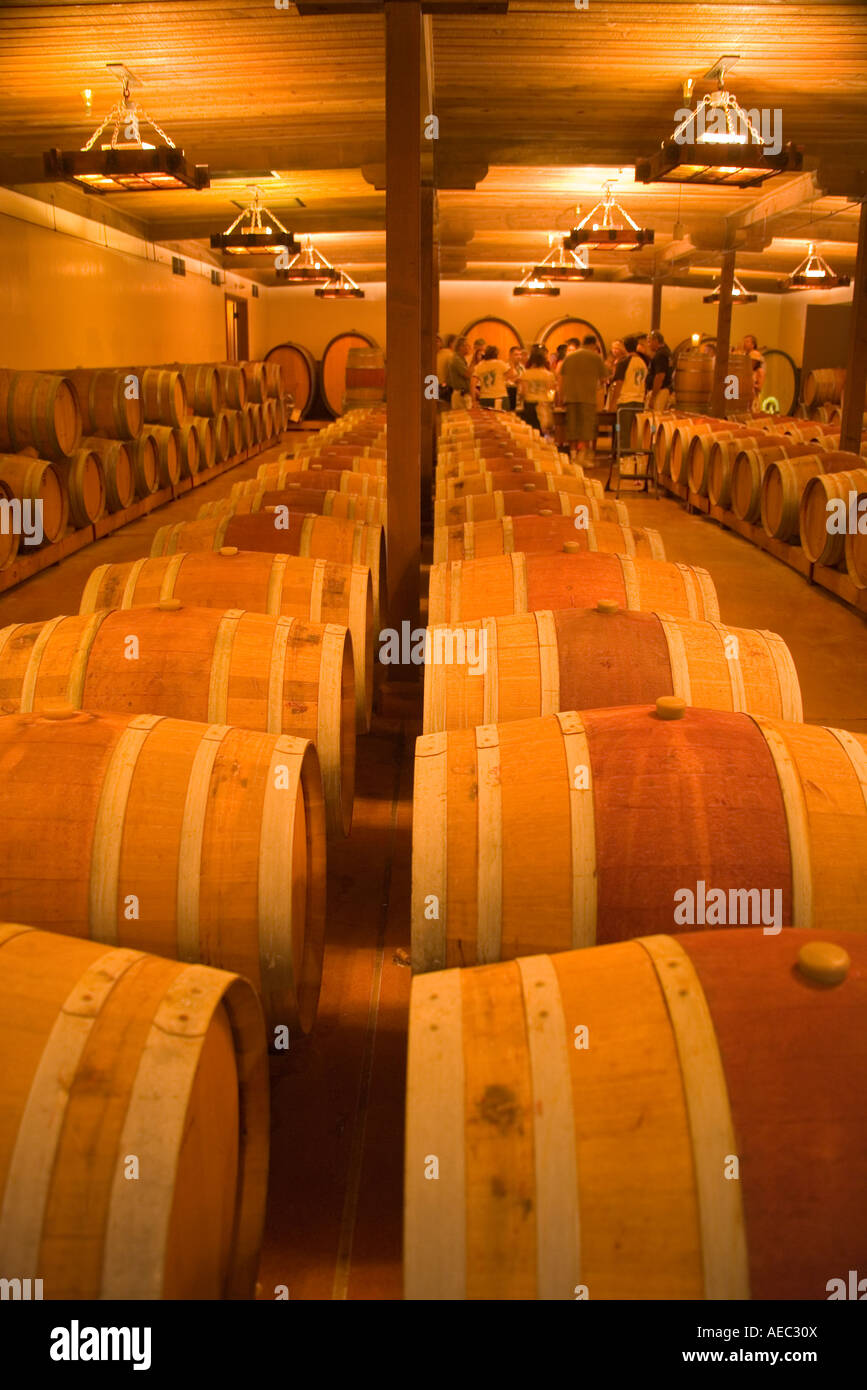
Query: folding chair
[{"x": 642, "y": 462}]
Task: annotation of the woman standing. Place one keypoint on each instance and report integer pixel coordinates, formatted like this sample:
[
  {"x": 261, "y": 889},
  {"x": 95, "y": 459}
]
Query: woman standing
[{"x": 536, "y": 390}]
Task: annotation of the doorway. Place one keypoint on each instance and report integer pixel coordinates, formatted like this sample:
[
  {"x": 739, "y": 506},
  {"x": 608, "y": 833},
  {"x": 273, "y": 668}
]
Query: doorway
[{"x": 237, "y": 329}]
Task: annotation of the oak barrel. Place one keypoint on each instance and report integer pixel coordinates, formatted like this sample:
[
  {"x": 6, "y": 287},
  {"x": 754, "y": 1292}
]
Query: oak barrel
[
  {"x": 280, "y": 675},
  {"x": 37, "y": 483},
  {"x": 491, "y": 506},
  {"x": 298, "y": 374},
  {"x": 10, "y": 537},
  {"x": 191, "y": 451},
  {"x": 783, "y": 483},
  {"x": 558, "y": 832},
  {"x": 821, "y": 545},
  {"x": 39, "y": 411},
  {"x": 748, "y": 470},
  {"x": 144, "y": 453},
  {"x": 201, "y": 842},
  {"x": 163, "y": 394},
  {"x": 110, "y": 401},
  {"x": 476, "y": 540},
  {"x": 478, "y": 484},
  {"x": 465, "y": 590},
  {"x": 234, "y": 384},
  {"x": 333, "y": 367},
  {"x": 855, "y": 553},
  {"x": 169, "y": 443},
  {"x": 315, "y": 590},
  {"x": 113, "y": 1053},
  {"x": 117, "y": 465},
  {"x": 276, "y": 477},
  {"x": 533, "y": 664},
  {"x": 202, "y": 385},
  {"x": 824, "y": 384},
  {"x": 608, "y": 1124},
  {"x": 204, "y": 426},
  {"x": 252, "y": 497},
  {"x": 84, "y": 480}
]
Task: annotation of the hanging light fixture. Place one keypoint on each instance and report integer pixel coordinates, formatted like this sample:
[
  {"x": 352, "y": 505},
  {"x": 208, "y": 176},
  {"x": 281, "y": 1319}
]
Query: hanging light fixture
[
  {"x": 309, "y": 265},
  {"x": 250, "y": 236},
  {"x": 717, "y": 143},
  {"x": 609, "y": 234},
  {"x": 533, "y": 284},
  {"x": 127, "y": 164},
  {"x": 341, "y": 286},
  {"x": 560, "y": 264},
  {"x": 739, "y": 294},
  {"x": 814, "y": 273}
]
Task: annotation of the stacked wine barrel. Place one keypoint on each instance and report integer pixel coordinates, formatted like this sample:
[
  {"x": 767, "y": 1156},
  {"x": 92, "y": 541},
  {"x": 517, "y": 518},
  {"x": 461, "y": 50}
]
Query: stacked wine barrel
[
  {"x": 79, "y": 443},
  {"x": 173, "y": 761},
  {"x": 605, "y": 765}
]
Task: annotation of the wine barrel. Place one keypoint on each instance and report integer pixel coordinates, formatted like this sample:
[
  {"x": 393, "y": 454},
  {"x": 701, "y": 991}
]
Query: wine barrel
[
  {"x": 722, "y": 456},
  {"x": 253, "y": 415},
  {"x": 191, "y": 452},
  {"x": 298, "y": 374},
  {"x": 280, "y": 675},
  {"x": 38, "y": 485},
  {"x": 855, "y": 554},
  {"x": 169, "y": 443},
  {"x": 163, "y": 394},
  {"x": 118, "y": 1053},
  {"x": 313, "y": 537},
  {"x": 273, "y": 380},
  {"x": 202, "y": 385},
  {"x": 534, "y": 664},
  {"x": 204, "y": 426},
  {"x": 476, "y": 540},
  {"x": 236, "y": 431},
  {"x": 515, "y": 463},
  {"x": 748, "y": 470},
  {"x": 252, "y": 497},
  {"x": 39, "y": 411},
  {"x": 276, "y": 477},
  {"x": 333, "y": 366},
  {"x": 586, "y": 1109},
  {"x": 83, "y": 478},
  {"x": 144, "y": 454},
  {"x": 335, "y": 463},
  {"x": 562, "y": 329},
  {"x": 281, "y": 585},
  {"x": 699, "y": 451},
  {"x": 233, "y": 384},
  {"x": 783, "y": 483},
  {"x": 773, "y": 807},
  {"x": 257, "y": 387},
  {"x": 494, "y": 505},
  {"x": 10, "y": 537},
  {"x": 120, "y": 479},
  {"x": 481, "y": 483},
  {"x": 823, "y": 385},
  {"x": 106, "y": 404},
  {"x": 222, "y": 436},
  {"x": 821, "y": 545},
  {"x": 465, "y": 590},
  {"x": 693, "y": 380},
  {"x": 500, "y": 332},
  {"x": 365, "y": 377},
  {"x": 205, "y": 841}
]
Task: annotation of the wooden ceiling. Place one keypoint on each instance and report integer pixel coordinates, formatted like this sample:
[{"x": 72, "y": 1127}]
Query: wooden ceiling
[{"x": 539, "y": 104}]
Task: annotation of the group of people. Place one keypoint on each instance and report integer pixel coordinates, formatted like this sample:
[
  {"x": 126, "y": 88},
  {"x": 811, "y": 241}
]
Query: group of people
[{"x": 576, "y": 377}]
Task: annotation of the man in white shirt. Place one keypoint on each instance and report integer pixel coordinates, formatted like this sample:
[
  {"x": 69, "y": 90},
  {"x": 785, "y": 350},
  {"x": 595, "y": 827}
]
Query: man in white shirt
[
  {"x": 491, "y": 374},
  {"x": 628, "y": 391}
]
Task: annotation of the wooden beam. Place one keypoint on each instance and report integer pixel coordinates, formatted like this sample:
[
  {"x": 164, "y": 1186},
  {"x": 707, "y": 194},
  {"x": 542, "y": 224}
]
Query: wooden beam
[
  {"x": 405, "y": 368},
  {"x": 855, "y": 391},
  {"x": 723, "y": 334},
  {"x": 656, "y": 305},
  {"x": 429, "y": 296}
]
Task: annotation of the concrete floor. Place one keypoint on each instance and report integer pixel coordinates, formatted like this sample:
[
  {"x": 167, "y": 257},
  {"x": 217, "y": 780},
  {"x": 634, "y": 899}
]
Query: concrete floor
[{"x": 334, "y": 1219}]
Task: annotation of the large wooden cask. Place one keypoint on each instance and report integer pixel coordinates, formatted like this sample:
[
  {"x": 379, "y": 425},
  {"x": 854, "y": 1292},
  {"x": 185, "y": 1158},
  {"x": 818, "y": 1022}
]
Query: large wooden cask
[
  {"x": 310, "y": 536},
  {"x": 298, "y": 374},
  {"x": 677, "y": 1117},
  {"x": 534, "y": 664},
  {"x": 83, "y": 477},
  {"x": 465, "y": 590},
  {"x": 110, "y": 402},
  {"x": 476, "y": 540},
  {"x": 38, "y": 486},
  {"x": 38, "y": 411},
  {"x": 112, "y": 1053},
  {"x": 282, "y": 585},
  {"x": 276, "y": 478},
  {"x": 548, "y": 834},
  {"x": 199, "y": 842},
  {"x": 748, "y": 470},
  {"x": 821, "y": 545},
  {"x": 491, "y": 506},
  {"x": 783, "y": 484},
  {"x": 163, "y": 394},
  {"x": 280, "y": 675},
  {"x": 117, "y": 465},
  {"x": 333, "y": 365}
]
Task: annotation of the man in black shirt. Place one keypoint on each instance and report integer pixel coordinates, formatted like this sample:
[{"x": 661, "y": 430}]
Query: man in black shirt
[{"x": 659, "y": 373}]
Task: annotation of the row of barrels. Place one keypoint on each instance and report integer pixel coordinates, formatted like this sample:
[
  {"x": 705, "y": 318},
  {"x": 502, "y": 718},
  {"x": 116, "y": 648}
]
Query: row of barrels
[
  {"x": 203, "y": 707},
  {"x": 789, "y": 477},
  {"x": 51, "y": 411},
  {"x": 583, "y": 758}
]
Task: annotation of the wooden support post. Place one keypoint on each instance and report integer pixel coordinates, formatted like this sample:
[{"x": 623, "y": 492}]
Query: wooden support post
[
  {"x": 405, "y": 367},
  {"x": 428, "y": 346},
  {"x": 855, "y": 390},
  {"x": 723, "y": 336},
  {"x": 656, "y": 306}
]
